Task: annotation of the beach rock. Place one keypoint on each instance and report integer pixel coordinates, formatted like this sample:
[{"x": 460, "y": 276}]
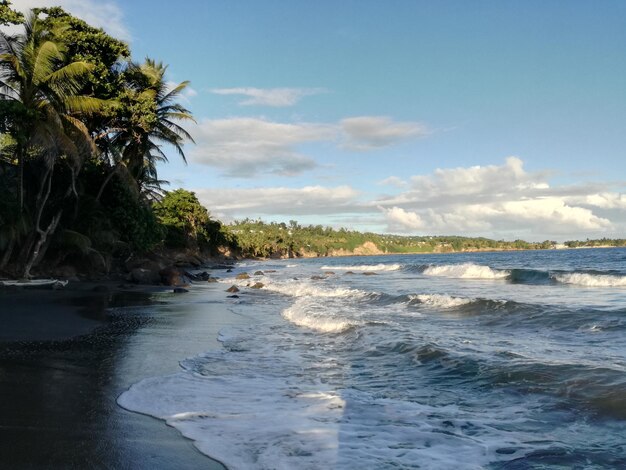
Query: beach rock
[
  {"x": 369, "y": 273},
  {"x": 329, "y": 273},
  {"x": 349, "y": 272},
  {"x": 259, "y": 273},
  {"x": 257, "y": 285},
  {"x": 234, "y": 296},
  {"x": 144, "y": 276},
  {"x": 317, "y": 278},
  {"x": 179, "y": 290},
  {"x": 212, "y": 279},
  {"x": 172, "y": 276},
  {"x": 202, "y": 277},
  {"x": 242, "y": 276},
  {"x": 232, "y": 289},
  {"x": 144, "y": 263},
  {"x": 229, "y": 270},
  {"x": 186, "y": 259}
]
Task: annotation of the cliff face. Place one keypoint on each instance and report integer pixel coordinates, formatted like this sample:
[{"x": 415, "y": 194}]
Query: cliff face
[{"x": 367, "y": 248}]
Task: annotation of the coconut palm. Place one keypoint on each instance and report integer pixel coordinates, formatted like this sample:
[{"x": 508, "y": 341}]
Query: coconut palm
[
  {"x": 40, "y": 109},
  {"x": 151, "y": 120}
]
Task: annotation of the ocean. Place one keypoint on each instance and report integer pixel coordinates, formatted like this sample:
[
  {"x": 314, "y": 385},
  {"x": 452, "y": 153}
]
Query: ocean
[{"x": 504, "y": 360}]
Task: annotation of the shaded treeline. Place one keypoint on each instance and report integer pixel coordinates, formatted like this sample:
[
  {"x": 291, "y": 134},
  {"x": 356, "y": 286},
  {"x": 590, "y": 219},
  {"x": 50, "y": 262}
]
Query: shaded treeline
[{"x": 82, "y": 129}]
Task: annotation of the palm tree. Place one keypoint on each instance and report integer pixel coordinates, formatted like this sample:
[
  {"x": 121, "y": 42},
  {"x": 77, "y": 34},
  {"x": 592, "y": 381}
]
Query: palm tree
[
  {"x": 146, "y": 120},
  {"x": 40, "y": 108},
  {"x": 146, "y": 132}
]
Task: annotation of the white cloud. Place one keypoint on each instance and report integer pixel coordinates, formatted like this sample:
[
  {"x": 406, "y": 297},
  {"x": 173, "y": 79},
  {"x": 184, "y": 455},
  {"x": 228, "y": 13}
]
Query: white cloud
[
  {"x": 393, "y": 181},
  {"x": 605, "y": 200},
  {"x": 309, "y": 200},
  {"x": 366, "y": 133},
  {"x": 275, "y": 97},
  {"x": 495, "y": 199},
  {"x": 101, "y": 14},
  {"x": 492, "y": 179},
  {"x": 400, "y": 220},
  {"x": 244, "y": 147}
]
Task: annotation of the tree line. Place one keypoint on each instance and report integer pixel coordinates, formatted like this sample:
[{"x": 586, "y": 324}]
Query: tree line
[{"x": 82, "y": 130}]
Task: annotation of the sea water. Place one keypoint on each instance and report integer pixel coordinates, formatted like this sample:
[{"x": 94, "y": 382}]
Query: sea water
[{"x": 508, "y": 360}]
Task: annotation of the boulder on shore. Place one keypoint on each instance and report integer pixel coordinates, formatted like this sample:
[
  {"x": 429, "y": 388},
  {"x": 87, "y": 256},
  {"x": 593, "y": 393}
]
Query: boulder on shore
[
  {"x": 243, "y": 276},
  {"x": 172, "y": 276},
  {"x": 144, "y": 276},
  {"x": 232, "y": 289}
]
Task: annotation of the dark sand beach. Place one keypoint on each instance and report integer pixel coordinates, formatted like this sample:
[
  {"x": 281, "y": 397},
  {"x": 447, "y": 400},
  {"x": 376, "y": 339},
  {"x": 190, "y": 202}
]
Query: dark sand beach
[{"x": 65, "y": 357}]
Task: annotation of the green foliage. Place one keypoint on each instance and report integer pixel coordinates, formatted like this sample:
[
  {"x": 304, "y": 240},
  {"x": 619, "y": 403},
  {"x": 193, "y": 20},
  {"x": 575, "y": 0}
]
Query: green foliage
[
  {"x": 132, "y": 218},
  {"x": 185, "y": 220},
  {"x": 8, "y": 15},
  {"x": 260, "y": 239},
  {"x": 92, "y": 45},
  {"x": 599, "y": 242}
]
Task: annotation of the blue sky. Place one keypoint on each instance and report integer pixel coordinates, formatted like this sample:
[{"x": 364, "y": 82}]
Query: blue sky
[{"x": 497, "y": 118}]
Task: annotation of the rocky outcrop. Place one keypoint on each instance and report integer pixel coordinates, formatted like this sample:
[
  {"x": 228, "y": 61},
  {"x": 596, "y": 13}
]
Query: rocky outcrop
[
  {"x": 144, "y": 276},
  {"x": 175, "y": 277}
]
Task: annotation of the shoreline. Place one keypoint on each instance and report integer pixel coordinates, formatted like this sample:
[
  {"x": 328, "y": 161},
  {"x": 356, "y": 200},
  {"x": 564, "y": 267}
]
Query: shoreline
[{"x": 66, "y": 356}]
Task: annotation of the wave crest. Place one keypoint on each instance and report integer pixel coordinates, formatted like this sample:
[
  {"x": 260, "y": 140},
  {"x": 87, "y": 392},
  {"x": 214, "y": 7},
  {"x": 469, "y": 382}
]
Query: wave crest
[
  {"x": 466, "y": 271},
  {"x": 591, "y": 280},
  {"x": 440, "y": 300},
  {"x": 316, "y": 317},
  {"x": 365, "y": 267}
]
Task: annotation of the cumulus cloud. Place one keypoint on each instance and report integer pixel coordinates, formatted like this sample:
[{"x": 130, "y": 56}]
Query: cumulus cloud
[
  {"x": 245, "y": 147},
  {"x": 495, "y": 199},
  {"x": 366, "y": 133},
  {"x": 393, "y": 181},
  {"x": 492, "y": 179},
  {"x": 101, "y": 14},
  {"x": 275, "y": 97},
  {"x": 308, "y": 200},
  {"x": 400, "y": 220},
  {"x": 605, "y": 200}
]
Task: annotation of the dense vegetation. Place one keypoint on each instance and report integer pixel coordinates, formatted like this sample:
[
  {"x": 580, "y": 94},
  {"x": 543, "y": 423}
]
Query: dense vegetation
[
  {"x": 82, "y": 127},
  {"x": 599, "y": 242},
  {"x": 256, "y": 238}
]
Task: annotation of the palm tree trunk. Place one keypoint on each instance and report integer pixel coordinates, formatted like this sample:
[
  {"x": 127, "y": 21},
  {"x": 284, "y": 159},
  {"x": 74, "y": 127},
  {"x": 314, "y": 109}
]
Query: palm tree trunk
[
  {"x": 43, "y": 235},
  {"x": 42, "y": 199},
  {"x": 20, "y": 178},
  {"x": 105, "y": 182},
  {"x": 7, "y": 254}
]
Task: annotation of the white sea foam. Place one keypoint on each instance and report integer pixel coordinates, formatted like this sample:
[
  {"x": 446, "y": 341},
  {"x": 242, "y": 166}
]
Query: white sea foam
[
  {"x": 296, "y": 288},
  {"x": 591, "y": 280},
  {"x": 317, "y": 316},
  {"x": 364, "y": 267},
  {"x": 441, "y": 300},
  {"x": 255, "y": 418},
  {"x": 466, "y": 271}
]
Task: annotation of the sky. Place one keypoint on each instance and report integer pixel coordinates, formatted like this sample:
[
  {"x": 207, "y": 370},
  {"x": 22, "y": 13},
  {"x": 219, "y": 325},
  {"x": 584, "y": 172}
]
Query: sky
[{"x": 504, "y": 119}]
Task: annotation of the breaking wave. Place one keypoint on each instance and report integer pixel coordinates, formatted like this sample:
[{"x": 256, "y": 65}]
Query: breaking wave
[
  {"x": 466, "y": 271},
  {"x": 365, "y": 267},
  {"x": 591, "y": 280}
]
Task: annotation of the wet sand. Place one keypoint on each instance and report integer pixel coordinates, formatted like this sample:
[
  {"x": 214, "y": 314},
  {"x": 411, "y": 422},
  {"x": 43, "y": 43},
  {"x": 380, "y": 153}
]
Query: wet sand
[{"x": 65, "y": 357}]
